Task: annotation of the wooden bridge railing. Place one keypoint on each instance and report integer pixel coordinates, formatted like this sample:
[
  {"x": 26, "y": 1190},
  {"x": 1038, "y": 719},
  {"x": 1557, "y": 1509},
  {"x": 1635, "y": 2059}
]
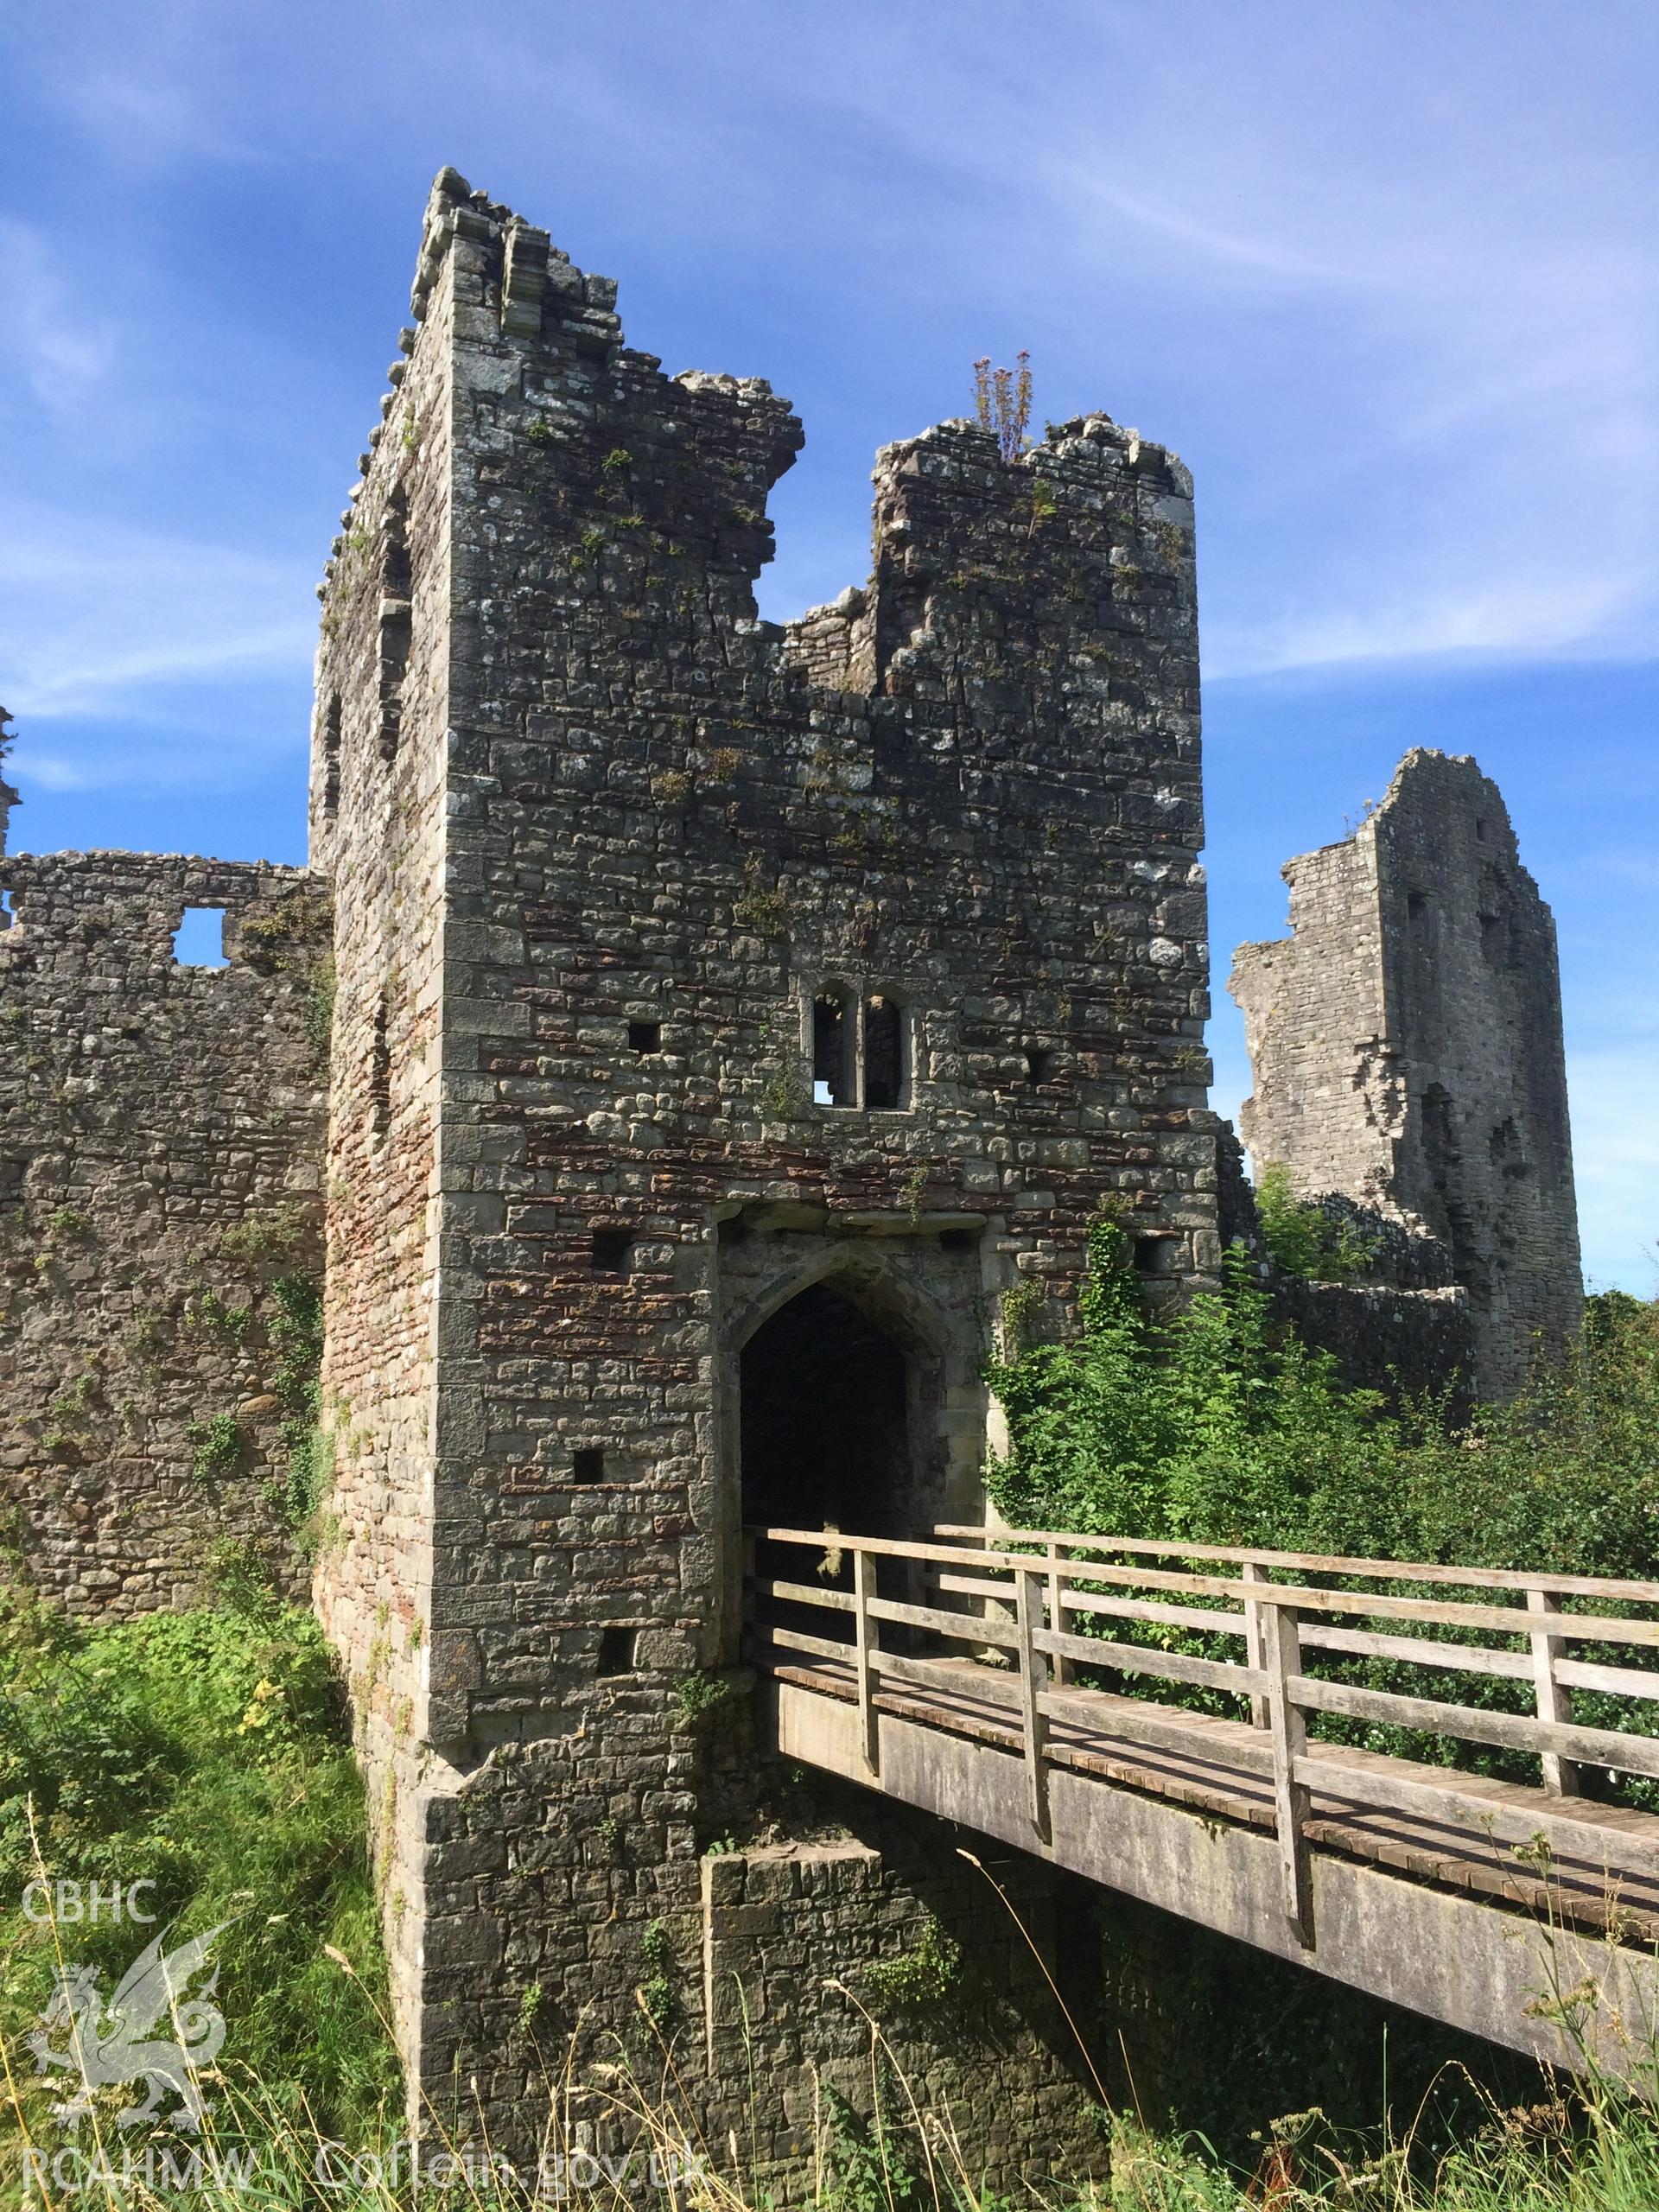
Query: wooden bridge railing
[{"x": 1027, "y": 1585}]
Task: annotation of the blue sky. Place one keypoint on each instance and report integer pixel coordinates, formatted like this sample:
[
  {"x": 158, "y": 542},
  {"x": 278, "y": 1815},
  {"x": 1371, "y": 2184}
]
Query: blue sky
[{"x": 1384, "y": 275}]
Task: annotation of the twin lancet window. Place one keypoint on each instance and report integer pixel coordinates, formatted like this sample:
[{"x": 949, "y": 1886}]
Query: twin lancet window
[{"x": 861, "y": 1051}]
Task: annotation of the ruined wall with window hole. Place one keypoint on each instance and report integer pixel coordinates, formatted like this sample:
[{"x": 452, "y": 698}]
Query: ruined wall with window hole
[{"x": 160, "y": 1137}]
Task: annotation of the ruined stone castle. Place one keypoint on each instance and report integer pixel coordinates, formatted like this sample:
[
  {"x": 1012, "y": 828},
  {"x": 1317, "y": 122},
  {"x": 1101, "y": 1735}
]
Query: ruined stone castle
[
  {"x": 1407, "y": 1044},
  {"x": 688, "y": 1029}
]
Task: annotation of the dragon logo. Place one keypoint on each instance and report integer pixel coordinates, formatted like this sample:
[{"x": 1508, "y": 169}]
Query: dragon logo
[{"x": 111, "y": 2043}]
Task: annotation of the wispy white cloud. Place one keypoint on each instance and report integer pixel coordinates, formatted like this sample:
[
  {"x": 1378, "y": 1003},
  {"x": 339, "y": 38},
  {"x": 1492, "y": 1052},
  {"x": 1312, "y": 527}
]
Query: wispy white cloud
[
  {"x": 1399, "y": 293},
  {"x": 62, "y": 349},
  {"x": 125, "y": 641}
]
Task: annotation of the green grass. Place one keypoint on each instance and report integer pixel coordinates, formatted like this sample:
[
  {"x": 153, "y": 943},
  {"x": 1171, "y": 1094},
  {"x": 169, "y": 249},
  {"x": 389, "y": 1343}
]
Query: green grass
[{"x": 206, "y": 1753}]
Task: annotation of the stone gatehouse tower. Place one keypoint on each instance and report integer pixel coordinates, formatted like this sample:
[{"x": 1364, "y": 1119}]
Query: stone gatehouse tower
[{"x": 729, "y": 1016}]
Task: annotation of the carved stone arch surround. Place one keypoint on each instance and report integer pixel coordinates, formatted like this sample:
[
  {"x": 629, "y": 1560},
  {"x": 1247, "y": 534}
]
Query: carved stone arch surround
[{"x": 933, "y": 1302}]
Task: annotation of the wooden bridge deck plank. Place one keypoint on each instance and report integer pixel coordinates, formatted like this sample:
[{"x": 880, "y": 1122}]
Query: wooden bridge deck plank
[{"x": 1198, "y": 1775}]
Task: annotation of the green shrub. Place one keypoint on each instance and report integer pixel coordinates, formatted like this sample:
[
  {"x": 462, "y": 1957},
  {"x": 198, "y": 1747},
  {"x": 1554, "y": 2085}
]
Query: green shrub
[
  {"x": 295, "y": 1333},
  {"x": 1303, "y": 1238},
  {"x": 1220, "y": 1426}
]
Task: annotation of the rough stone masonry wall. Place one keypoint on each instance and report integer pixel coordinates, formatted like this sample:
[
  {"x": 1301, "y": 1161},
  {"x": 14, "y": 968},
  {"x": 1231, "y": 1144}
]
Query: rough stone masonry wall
[
  {"x": 650, "y": 840},
  {"x": 1405, "y": 1041},
  {"x": 378, "y": 797},
  {"x": 1403, "y": 1328},
  {"x": 160, "y": 1145}
]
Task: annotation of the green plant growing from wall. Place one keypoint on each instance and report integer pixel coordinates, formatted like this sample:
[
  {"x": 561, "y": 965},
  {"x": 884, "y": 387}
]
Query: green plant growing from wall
[
  {"x": 1016, "y": 1310},
  {"x": 295, "y": 1333},
  {"x": 295, "y": 937},
  {"x": 915, "y": 1189},
  {"x": 697, "y": 1694},
  {"x": 765, "y": 911},
  {"x": 208, "y": 1311},
  {"x": 923, "y": 1977},
  {"x": 786, "y": 1095},
  {"x": 217, "y": 1448},
  {"x": 280, "y": 1234},
  {"x": 1044, "y": 505},
  {"x": 658, "y": 1998}
]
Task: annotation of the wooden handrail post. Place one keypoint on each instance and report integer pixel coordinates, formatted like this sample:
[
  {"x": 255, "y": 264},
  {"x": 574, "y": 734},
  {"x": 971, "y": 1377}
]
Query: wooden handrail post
[
  {"x": 1062, "y": 1667},
  {"x": 1562, "y": 1776},
  {"x": 1290, "y": 1797},
  {"x": 1256, "y": 1641},
  {"x": 1033, "y": 1681},
  {"x": 863, "y": 1628}
]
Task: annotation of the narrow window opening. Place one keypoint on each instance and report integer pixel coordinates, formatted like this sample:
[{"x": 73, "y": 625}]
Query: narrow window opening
[
  {"x": 610, "y": 1251},
  {"x": 11, "y": 1180},
  {"x": 396, "y": 588},
  {"x": 645, "y": 1036},
  {"x": 886, "y": 1076},
  {"x": 616, "y": 1647},
  {"x": 1416, "y": 905},
  {"x": 1154, "y": 1254},
  {"x": 588, "y": 1463},
  {"x": 380, "y": 1076},
  {"x": 331, "y": 730},
  {"x": 7, "y": 914},
  {"x": 396, "y": 578},
  {"x": 199, "y": 941},
  {"x": 1491, "y": 939},
  {"x": 832, "y": 1056},
  {"x": 1480, "y": 828},
  {"x": 1037, "y": 1059}
]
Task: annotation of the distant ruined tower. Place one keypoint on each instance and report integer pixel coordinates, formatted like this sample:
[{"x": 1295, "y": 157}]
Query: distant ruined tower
[
  {"x": 729, "y": 1016},
  {"x": 8, "y": 794},
  {"x": 1406, "y": 1045}
]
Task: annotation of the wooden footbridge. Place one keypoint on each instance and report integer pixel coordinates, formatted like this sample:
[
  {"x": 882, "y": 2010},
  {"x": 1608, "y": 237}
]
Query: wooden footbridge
[{"x": 952, "y": 1674}]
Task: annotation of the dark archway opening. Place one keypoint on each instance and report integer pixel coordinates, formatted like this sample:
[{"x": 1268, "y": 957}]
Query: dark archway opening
[{"x": 824, "y": 1438}]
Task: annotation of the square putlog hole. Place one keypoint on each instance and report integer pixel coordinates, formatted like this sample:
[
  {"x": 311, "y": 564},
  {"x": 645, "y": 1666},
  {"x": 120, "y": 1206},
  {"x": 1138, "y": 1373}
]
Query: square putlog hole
[
  {"x": 616, "y": 1650},
  {"x": 588, "y": 1463},
  {"x": 611, "y": 1248},
  {"x": 645, "y": 1036}
]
